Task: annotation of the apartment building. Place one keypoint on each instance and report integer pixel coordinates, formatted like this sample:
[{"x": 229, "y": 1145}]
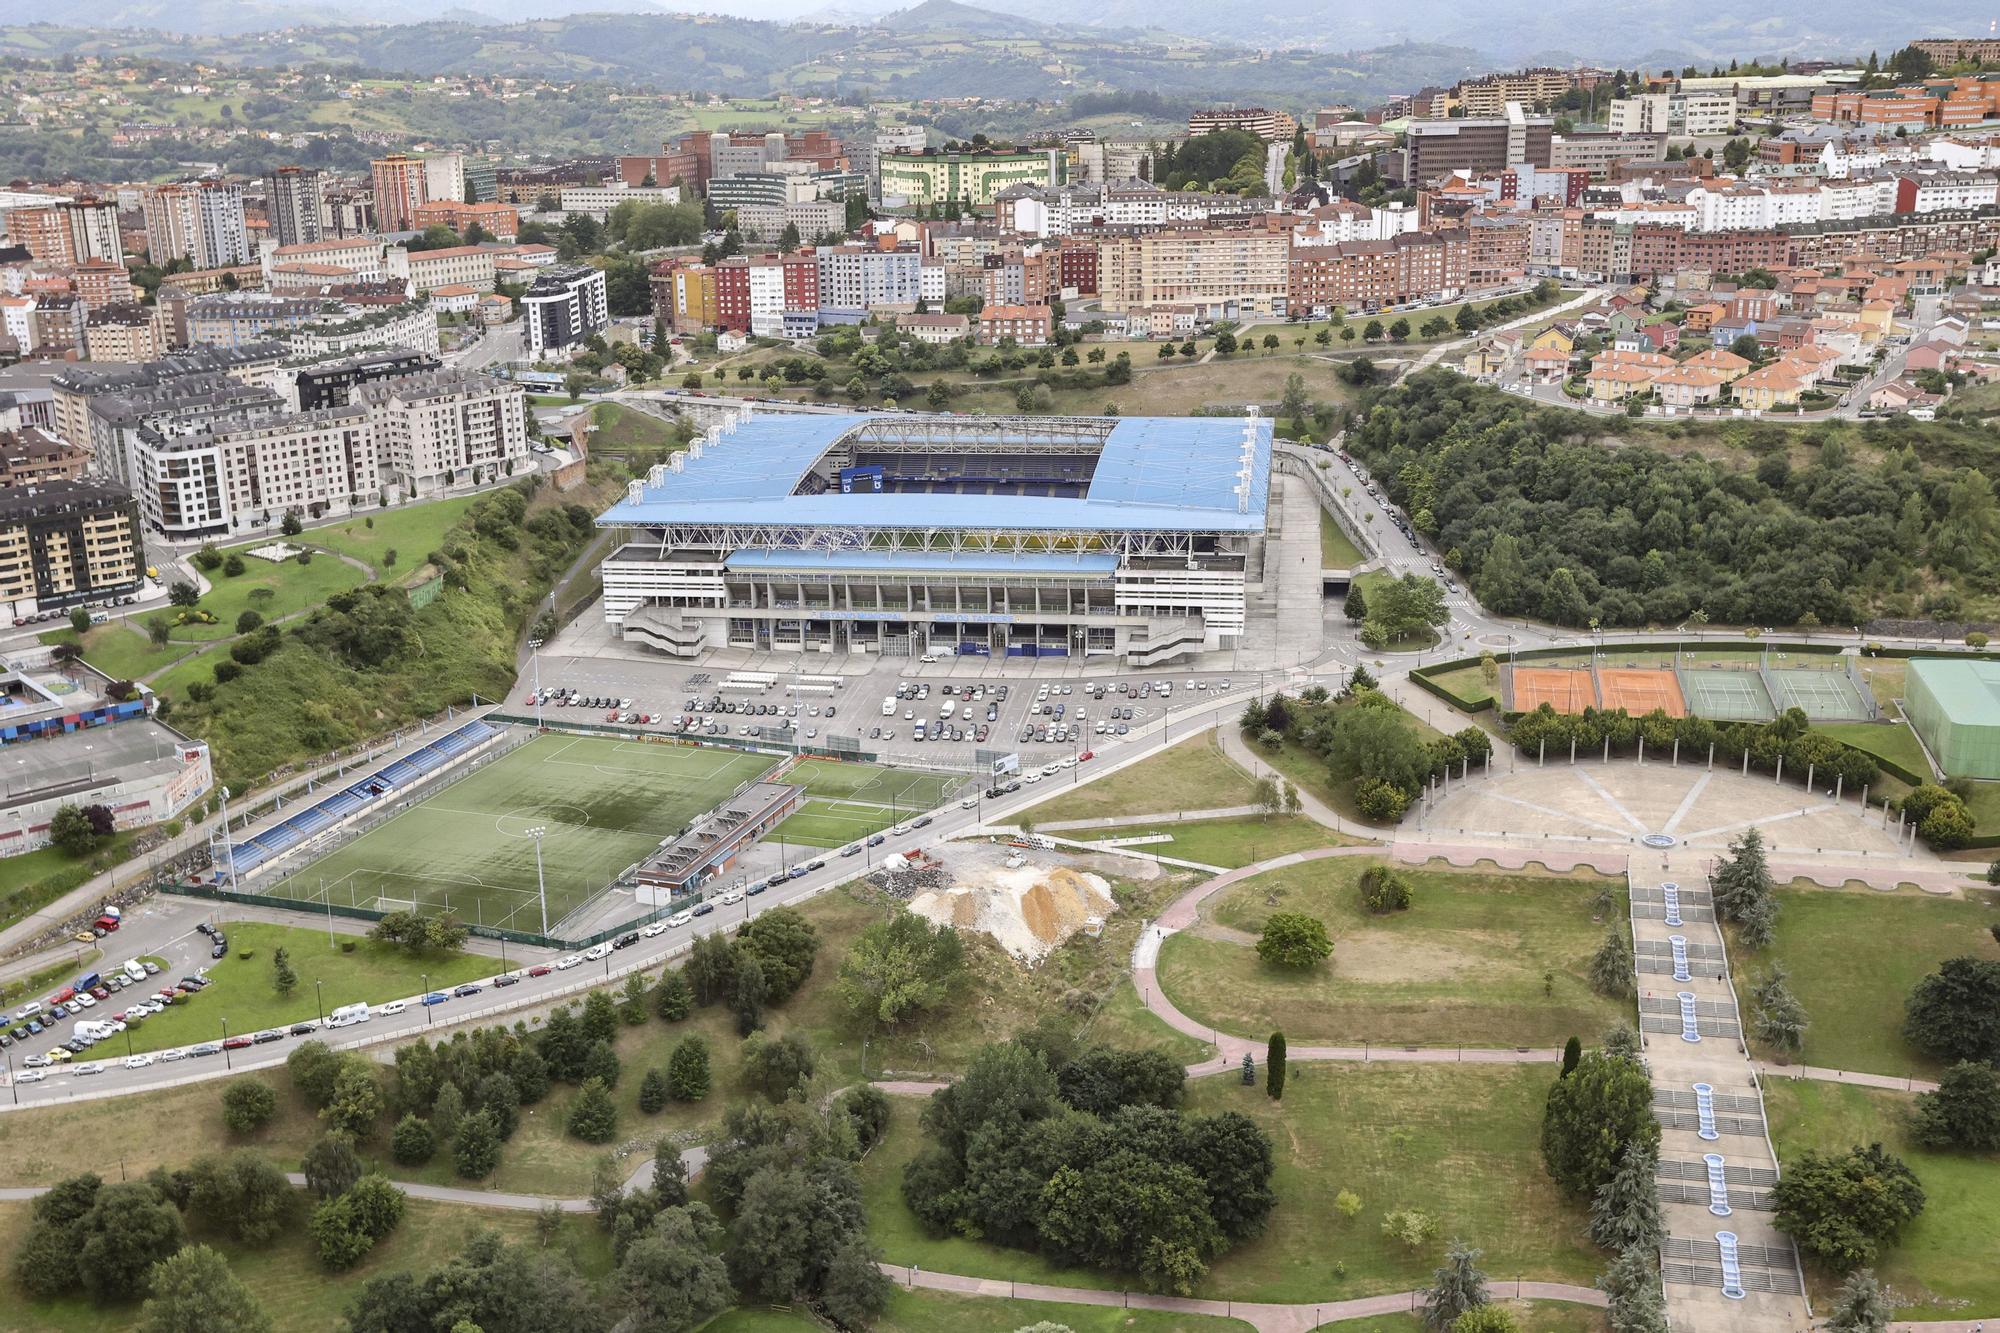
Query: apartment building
[
  {"x": 1027, "y": 325},
  {"x": 1673, "y": 113},
  {"x": 332, "y": 383},
  {"x": 31, "y": 456},
  {"x": 365, "y": 258},
  {"x": 1017, "y": 276},
  {"x": 1530, "y": 87},
  {"x": 444, "y": 176},
  {"x": 684, "y": 295},
  {"x": 501, "y": 222},
  {"x": 445, "y": 427},
  {"x": 347, "y": 330},
  {"x": 1599, "y": 153},
  {"x": 935, "y": 329},
  {"x": 58, "y": 326},
  {"x": 1476, "y": 144},
  {"x": 768, "y": 295},
  {"x": 1223, "y": 274},
  {"x": 401, "y": 187},
  {"x": 1270, "y": 126},
  {"x": 201, "y": 222},
  {"x": 451, "y": 266},
  {"x": 69, "y": 231},
  {"x": 566, "y": 304},
  {"x": 66, "y": 542},
  {"x": 972, "y": 177},
  {"x": 100, "y": 283},
  {"x": 694, "y": 159},
  {"x": 315, "y": 462},
  {"x": 1059, "y": 211},
  {"x": 125, "y": 332},
  {"x": 853, "y": 280},
  {"x": 1369, "y": 275},
  {"x": 235, "y": 319},
  {"x": 294, "y": 199}
]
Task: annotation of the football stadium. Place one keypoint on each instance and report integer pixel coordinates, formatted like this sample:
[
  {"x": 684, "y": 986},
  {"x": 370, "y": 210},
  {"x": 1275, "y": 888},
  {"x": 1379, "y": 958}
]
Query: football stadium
[{"x": 903, "y": 534}]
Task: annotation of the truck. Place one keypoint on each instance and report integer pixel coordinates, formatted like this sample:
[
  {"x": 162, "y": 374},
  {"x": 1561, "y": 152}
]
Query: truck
[{"x": 347, "y": 1015}]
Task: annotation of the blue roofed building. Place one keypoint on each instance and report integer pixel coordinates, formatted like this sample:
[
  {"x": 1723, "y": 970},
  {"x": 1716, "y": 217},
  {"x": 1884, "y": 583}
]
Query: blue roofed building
[{"x": 904, "y": 534}]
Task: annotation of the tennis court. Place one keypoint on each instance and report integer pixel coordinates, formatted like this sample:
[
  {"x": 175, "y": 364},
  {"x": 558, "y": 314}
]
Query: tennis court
[
  {"x": 1726, "y": 694},
  {"x": 906, "y": 789},
  {"x": 833, "y": 823},
  {"x": 603, "y": 803},
  {"x": 1565, "y": 689},
  {"x": 1640, "y": 691},
  {"x": 1824, "y": 695}
]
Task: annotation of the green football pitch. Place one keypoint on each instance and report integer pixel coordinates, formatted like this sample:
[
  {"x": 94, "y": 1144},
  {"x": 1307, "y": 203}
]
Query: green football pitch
[
  {"x": 466, "y": 850},
  {"x": 905, "y": 790}
]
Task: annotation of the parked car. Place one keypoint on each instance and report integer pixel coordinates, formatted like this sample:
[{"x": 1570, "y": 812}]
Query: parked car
[
  {"x": 435, "y": 997},
  {"x": 469, "y": 988}
]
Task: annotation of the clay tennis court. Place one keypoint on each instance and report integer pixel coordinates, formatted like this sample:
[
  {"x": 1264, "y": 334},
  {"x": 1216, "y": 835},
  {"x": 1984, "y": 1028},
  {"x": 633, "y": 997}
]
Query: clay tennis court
[
  {"x": 1639, "y": 691},
  {"x": 1565, "y": 689}
]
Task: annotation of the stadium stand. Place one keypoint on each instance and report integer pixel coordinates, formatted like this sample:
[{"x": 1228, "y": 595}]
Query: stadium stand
[{"x": 420, "y": 763}]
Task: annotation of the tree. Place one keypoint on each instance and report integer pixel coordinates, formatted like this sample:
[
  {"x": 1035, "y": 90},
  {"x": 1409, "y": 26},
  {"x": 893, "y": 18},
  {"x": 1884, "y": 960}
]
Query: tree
[
  {"x": 1572, "y": 1052},
  {"x": 1633, "y": 1284},
  {"x": 331, "y": 1166},
  {"x": 1355, "y": 605},
  {"x": 193, "y": 1291},
  {"x": 1777, "y": 1018},
  {"x": 593, "y": 1116},
  {"x": 283, "y": 978},
  {"x": 751, "y": 992},
  {"x": 632, "y": 1001},
  {"x": 71, "y": 832},
  {"x": 671, "y": 1279},
  {"x": 1954, "y": 1013},
  {"x": 1455, "y": 1288},
  {"x": 475, "y": 1148},
  {"x": 357, "y": 1100},
  {"x": 785, "y": 944},
  {"x": 777, "y": 1065},
  {"x": 1407, "y": 607},
  {"x": 183, "y": 593},
  {"x": 1626, "y": 1209},
  {"x": 247, "y": 1105},
  {"x": 1592, "y": 1116},
  {"x": 901, "y": 967},
  {"x": 1860, "y": 1306},
  {"x": 413, "y": 1142},
  {"x": 1274, "y": 1067},
  {"x": 157, "y": 630},
  {"x": 1384, "y": 889},
  {"x": 1964, "y": 1112},
  {"x": 672, "y": 999},
  {"x": 448, "y": 1112},
  {"x": 1611, "y": 966},
  {"x": 711, "y": 969},
  {"x": 790, "y": 1222},
  {"x": 79, "y": 621},
  {"x": 241, "y": 1193},
  {"x": 1841, "y": 1208},
  {"x": 854, "y": 1291},
  {"x": 600, "y": 1018},
  {"x": 128, "y": 1229},
  {"x": 687, "y": 1070},
  {"x": 291, "y": 525},
  {"x": 1294, "y": 939}
]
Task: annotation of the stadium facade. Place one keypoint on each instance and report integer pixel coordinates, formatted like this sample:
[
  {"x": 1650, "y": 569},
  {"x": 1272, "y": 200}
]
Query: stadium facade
[{"x": 903, "y": 534}]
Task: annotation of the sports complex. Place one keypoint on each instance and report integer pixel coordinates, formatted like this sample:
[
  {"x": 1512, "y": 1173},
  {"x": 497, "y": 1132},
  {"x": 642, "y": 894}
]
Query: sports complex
[
  {"x": 1725, "y": 690},
  {"x": 455, "y": 826},
  {"x": 1131, "y": 538}
]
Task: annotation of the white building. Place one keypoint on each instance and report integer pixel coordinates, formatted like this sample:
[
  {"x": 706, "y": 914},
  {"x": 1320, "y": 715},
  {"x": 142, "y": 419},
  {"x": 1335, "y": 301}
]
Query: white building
[
  {"x": 446, "y": 427},
  {"x": 444, "y": 176},
  {"x": 245, "y": 475},
  {"x": 567, "y": 304},
  {"x": 854, "y": 279},
  {"x": 598, "y": 200}
]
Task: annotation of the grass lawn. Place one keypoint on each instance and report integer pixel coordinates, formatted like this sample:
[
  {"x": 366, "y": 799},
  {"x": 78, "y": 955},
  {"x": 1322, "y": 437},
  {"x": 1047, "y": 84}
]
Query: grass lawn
[
  {"x": 1855, "y": 954},
  {"x": 617, "y": 428},
  {"x": 1335, "y": 550},
  {"x": 1893, "y": 741},
  {"x": 412, "y": 531},
  {"x": 121, "y": 650},
  {"x": 293, "y": 588},
  {"x": 1468, "y": 683},
  {"x": 172, "y": 683},
  {"x": 1943, "y": 1266},
  {"x": 1231, "y": 842},
  {"x": 34, "y": 879},
  {"x": 1193, "y": 775},
  {"x": 1539, "y": 1316},
  {"x": 605, "y": 803},
  {"x": 921, "y": 1311},
  {"x": 1457, "y": 1141},
  {"x": 1418, "y": 317},
  {"x": 831, "y": 823},
  {"x": 1124, "y": 1022},
  {"x": 908, "y": 790},
  {"x": 286, "y": 1277},
  {"x": 244, "y": 997},
  {"x": 1465, "y": 964}
]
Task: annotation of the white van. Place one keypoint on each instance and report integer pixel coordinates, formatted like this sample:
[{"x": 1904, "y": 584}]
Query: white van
[
  {"x": 347, "y": 1015},
  {"x": 133, "y": 970},
  {"x": 889, "y": 707}
]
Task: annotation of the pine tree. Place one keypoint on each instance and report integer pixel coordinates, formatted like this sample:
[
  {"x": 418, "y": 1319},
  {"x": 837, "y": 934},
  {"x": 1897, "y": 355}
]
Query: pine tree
[
  {"x": 283, "y": 978},
  {"x": 1249, "y": 1070},
  {"x": 1741, "y": 877},
  {"x": 673, "y": 998},
  {"x": 1626, "y": 1211},
  {"x": 653, "y": 1092},
  {"x": 593, "y": 1116},
  {"x": 1860, "y": 1307},
  {"x": 1621, "y": 1043},
  {"x": 1572, "y": 1052},
  {"x": 1632, "y": 1283},
  {"x": 476, "y": 1150},
  {"x": 1457, "y": 1287},
  {"x": 1757, "y": 922},
  {"x": 1611, "y": 966},
  {"x": 1778, "y": 1019},
  {"x": 687, "y": 1070},
  {"x": 1274, "y": 1067}
]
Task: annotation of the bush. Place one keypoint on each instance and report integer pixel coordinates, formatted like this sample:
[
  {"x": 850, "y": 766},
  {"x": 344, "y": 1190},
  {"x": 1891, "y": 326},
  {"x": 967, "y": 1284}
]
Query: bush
[
  {"x": 653, "y": 1092},
  {"x": 1841, "y": 1208},
  {"x": 1378, "y": 801},
  {"x": 1384, "y": 890},
  {"x": 1293, "y": 939},
  {"x": 413, "y": 1142},
  {"x": 248, "y": 1106},
  {"x": 1410, "y": 1227},
  {"x": 233, "y": 566}
]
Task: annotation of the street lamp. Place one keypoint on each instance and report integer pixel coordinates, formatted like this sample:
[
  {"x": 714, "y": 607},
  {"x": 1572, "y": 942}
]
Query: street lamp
[
  {"x": 228, "y": 842},
  {"x": 227, "y": 1063},
  {"x": 534, "y": 646},
  {"x": 541, "y": 886},
  {"x": 319, "y": 1000},
  {"x": 425, "y": 1000}
]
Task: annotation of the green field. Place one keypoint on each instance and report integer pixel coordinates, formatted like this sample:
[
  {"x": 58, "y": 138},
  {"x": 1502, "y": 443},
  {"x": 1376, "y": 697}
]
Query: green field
[
  {"x": 1229, "y": 842},
  {"x": 617, "y": 428},
  {"x": 121, "y": 649},
  {"x": 1335, "y": 550},
  {"x": 1854, "y": 956},
  {"x": 412, "y": 531},
  {"x": 1480, "y": 958},
  {"x": 906, "y": 790},
  {"x": 293, "y": 588},
  {"x": 832, "y": 823},
  {"x": 921, "y": 1311},
  {"x": 1942, "y": 1267},
  {"x": 243, "y": 994},
  {"x": 605, "y": 804},
  {"x": 1192, "y": 775}
]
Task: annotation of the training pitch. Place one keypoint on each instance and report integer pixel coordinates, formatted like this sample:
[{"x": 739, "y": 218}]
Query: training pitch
[{"x": 604, "y": 803}]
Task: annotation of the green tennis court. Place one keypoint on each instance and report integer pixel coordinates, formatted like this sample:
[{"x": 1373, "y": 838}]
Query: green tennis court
[
  {"x": 603, "y": 803},
  {"x": 1823, "y": 695},
  {"x": 905, "y": 789},
  {"x": 1725, "y": 694}
]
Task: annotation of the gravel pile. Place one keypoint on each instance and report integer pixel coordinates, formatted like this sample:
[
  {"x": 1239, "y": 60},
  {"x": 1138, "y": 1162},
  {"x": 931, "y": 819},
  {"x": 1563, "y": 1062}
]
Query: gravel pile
[{"x": 907, "y": 884}]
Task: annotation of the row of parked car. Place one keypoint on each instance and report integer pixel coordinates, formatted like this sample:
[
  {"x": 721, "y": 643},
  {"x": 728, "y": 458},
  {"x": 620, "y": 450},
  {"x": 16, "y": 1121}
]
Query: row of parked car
[{"x": 74, "y": 1001}]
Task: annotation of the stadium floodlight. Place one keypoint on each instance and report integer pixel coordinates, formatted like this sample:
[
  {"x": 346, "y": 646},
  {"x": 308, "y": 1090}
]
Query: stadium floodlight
[{"x": 541, "y": 888}]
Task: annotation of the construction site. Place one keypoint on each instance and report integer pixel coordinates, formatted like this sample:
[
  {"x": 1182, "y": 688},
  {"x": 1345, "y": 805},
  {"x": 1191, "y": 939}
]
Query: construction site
[{"x": 1028, "y": 899}]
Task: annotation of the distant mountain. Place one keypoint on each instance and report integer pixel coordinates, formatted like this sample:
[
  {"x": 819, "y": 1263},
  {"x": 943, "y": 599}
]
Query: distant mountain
[{"x": 944, "y": 16}]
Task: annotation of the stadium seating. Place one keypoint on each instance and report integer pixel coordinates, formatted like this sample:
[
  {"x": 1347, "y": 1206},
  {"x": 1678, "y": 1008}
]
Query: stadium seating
[{"x": 281, "y": 837}]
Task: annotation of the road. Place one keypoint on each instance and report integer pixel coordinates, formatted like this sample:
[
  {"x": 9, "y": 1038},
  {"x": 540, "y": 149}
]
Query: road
[{"x": 499, "y": 344}]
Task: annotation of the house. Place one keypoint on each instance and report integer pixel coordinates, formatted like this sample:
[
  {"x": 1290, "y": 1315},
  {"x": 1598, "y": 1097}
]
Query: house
[
  {"x": 1489, "y": 357},
  {"x": 1546, "y": 365},
  {"x": 1661, "y": 337},
  {"x": 1729, "y": 328},
  {"x": 1731, "y": 365},
  {"x": 1556, "y": 337},
  {"x": 1895, "y": 396},
  {"x": 1704, "y": 317},
  {"x": 1623, "y": 321},
  {"x": 936, "y": 329},
  {"x": 1776, "y": 385},
  {"x": 731, "y": 340},
  {"x": 1689, "y": 385},
  {"x": 1950, "y": 330},
  {"x": 1617, "y": 381},
  {"x": 1928, "y": 356},
  {"x": 1652, "y": 361}
]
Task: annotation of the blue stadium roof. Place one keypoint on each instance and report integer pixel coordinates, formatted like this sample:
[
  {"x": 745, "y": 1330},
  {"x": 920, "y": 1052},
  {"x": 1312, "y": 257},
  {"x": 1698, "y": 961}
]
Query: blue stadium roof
[
  {"x": 994, "y": 562},
  {"x": 1155, "y": 474}
]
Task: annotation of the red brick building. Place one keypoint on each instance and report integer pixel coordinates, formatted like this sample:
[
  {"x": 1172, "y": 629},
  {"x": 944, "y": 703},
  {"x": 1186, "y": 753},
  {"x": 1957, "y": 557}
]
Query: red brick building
[{"x": 1367, "y": 275}]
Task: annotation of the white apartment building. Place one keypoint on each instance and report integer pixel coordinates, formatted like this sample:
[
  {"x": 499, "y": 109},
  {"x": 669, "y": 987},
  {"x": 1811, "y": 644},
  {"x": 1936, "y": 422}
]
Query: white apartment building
[
  {"x": 1940, "y": 192},
  {"x": 1691, "y": 114},
  {"x": 1062, "y": 210},
  {"x": 445, "y": 428},
  {"x": 444, "y": 176},
  {"x": 1343, "y": 220},
  {"x": 567, "y": 304},
  {"x": 201, "y": 223},
  {"x": 451, "y": 266},
  {"x": 361, "y": 329},
  {"x": 365, "y": 258},
  {"x": 932, "y": 281},
  {"x": 597, "y": 200},
  {"x": 854, "y": 279},
  {"x": 247, "y": 474}
]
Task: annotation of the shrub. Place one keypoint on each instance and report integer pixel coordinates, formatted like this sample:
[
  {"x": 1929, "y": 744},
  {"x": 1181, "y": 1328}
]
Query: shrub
[
  {"x": 1378, "y": 801},
  {"x": 1294, "y": 939},
  {"x": 593, "y": 1116},
  {"x": 247, "y": 1106},
  {"x": 1384, "y": 890},
  {"x": 413, "y": 1142},
  {"x": 1410, "y": 1227}
]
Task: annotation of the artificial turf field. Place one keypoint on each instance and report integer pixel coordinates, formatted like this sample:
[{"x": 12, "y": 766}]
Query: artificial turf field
[
  {"x": 605, "y": 804},
  {"x": 905, "y": 791}
]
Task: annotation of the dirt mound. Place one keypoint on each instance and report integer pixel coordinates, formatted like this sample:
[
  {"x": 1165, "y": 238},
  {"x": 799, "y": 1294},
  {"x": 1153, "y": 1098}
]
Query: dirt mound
[{"x": 1028, "y": 908}]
